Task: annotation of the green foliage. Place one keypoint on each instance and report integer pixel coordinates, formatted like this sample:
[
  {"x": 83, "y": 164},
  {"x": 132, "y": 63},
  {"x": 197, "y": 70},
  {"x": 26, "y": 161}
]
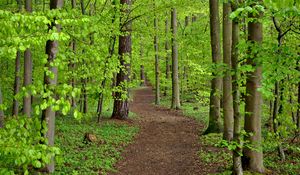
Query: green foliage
[
  {"x": 92, "y": 158},
  {"x": 23, "y": 148}
]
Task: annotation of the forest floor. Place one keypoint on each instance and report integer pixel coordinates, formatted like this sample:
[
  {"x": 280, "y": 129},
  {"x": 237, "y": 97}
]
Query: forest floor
[{"x": 168, "y": 141}]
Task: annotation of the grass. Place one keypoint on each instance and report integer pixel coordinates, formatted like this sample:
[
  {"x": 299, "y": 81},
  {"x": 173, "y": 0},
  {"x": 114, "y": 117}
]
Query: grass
[
  {"x": 92, "y": 158},
  {"x": 190, "y": 108}
]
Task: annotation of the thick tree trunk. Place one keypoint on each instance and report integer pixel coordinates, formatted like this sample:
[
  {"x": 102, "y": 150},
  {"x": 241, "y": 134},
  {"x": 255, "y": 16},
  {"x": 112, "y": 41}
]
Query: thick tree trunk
[
  {"x": 237, "y": 163},
  {"x": 157, "y": 71},
  {"x": 175, "y": 78},
  {"x": 227, "y": 86},
  {"x": 17, "y": 83},
  {"x": 27, "y": 70},
  {"x": 121, "y": 106},
  {"x": 48, "y": 115},
  {"x": 253, "y": 159},
  {"x": 167, "y": 48},
  {"x": 1, "y": 110},
  {"x": 214, "y": 125}
]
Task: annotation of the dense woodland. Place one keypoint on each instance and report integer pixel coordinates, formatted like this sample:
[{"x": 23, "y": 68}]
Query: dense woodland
[{"x": 76, "y": 61}]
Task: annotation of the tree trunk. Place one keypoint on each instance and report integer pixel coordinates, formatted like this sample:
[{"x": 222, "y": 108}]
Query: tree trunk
[
  {"x": 214, "y": 125},
  {"x": 298, "y": 109},
  {"x": 72, "y": 65},
  {"x": 175, "y": 79},
  {"x": 142, "y": 76},
  {"x": 1, "y": 110},
  {"x": 227, "y": 84},
  {"x": 111, "y": 51},
  {"x": 237, "y": 163},
  {"x": 167, "y": 48},
  {"x": 15, "y": 111},
  {"x": 185, "y": 66},
  {"x": 253, "y": 159},
  {"x": 121, "y": 106},
  {"x": 48, "y": 115},
  {"x": 85, "y": 96},
  {"x": 157, "y": 71},
  {"x": 27, "y": 70}
]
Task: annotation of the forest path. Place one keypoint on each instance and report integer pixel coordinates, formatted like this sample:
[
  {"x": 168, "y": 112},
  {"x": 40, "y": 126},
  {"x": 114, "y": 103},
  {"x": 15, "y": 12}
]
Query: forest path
[{"x": 167, "y": 143}]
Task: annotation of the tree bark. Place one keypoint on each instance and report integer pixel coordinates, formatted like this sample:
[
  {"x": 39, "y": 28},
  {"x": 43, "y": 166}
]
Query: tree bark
[
  {"x": 175, "y": 79},
  {"x": 167, "y": 48},
  {"x": 48, "y": 115},
  {"x": 214, "y": 125},
  {"x": 27, "y": 70},
  {"x": 227, "y": 84},
  {"x": 15, "y": 110},
  {"x": 298, "y": 109},
  {"x": 237, "y": 163},
  {"x": 121, "y": 106},
  {"x": 253, "y": 159},
  {"x": 157, "y": 71}
]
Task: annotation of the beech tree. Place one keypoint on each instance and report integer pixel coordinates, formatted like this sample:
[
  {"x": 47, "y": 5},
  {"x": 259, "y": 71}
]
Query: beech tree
[
  {"x": 175, "y": 79},
  {"x": 27, "y": 70},
  {"x": 253, "y": 158},
  {"x": 121, "y": 105},
  {"x": 157, "y": 71},
  {"x": 237, "y": 163},
  {"x": 50, "y": 81},
  {"x": 214, "y": 104},
  {"x": 227, "y": 86},
  {"x": 167, "y": 49}
]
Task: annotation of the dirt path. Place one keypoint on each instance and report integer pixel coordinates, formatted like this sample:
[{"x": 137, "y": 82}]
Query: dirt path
[{"x": 167, "y": 142}]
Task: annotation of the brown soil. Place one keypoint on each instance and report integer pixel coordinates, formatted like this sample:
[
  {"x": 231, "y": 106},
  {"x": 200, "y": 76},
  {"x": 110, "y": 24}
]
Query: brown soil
[{"x": 167, "y": 144}]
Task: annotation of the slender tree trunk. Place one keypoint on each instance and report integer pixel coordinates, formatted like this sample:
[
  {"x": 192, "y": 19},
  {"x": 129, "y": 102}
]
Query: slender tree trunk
[
  {"x": 1, "y": 110},
  {"x": 237, "y": 163},
  {"x": 227, "y": 84},
  {"x": 27, "y": 82},
  {"x": 157, "y": 71},
  {"x": 175, "y": 79},
  {"x": 121, "y": 106},
  {"x": 214, "y": 125},
  {"x": 298, "y": 109},
  {"x": 185, "y": 66},
  {"x": 17, "y": 83},
  {"x": 142, "y": 76},
  {"x": 111, "y": 50},
  {"x": 253, "y": 159},
  {"x": 72, "y": 65},
  {"x": 27, "y": 70},
  {"x": 167, "y": 48},
  {"x": 48, "y": 115},
  {"x": 85, "y": 96}
]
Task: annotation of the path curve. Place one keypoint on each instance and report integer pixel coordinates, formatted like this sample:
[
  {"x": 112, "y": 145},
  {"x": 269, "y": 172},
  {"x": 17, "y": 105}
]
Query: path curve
[{"x": 167, "y": 143}]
